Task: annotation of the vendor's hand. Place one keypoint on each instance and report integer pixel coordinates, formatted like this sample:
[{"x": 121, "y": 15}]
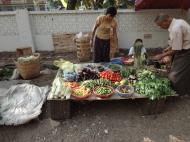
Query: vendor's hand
[
  {"x": 166, "y": 60},
  {"x": 157, "y": 57},
  {"x": 165, "y": 50}
]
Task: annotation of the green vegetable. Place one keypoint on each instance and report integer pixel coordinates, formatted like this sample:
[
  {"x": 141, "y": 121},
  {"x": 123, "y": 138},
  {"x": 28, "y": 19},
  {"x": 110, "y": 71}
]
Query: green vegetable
[
  {"x": 97, "y": 82},
  {"x": 6, "y": 72},
  {"x": 115, "y": 67},
  {"x": 152, "y": 86},
  {"x": 126, "y": 73},
  {"x": 103, "y": 91},
  {"x": 78, "y": 93}
]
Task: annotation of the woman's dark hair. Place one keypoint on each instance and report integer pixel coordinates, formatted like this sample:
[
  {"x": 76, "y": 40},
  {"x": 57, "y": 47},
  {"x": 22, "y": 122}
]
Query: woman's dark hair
[
  {"x": 112, "y": 11},
  {"x": 138, "y": 40}
]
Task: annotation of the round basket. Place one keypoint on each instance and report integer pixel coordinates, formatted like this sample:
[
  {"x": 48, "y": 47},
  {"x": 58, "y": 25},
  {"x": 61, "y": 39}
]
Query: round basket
[
  {"x": 29, "y": 69},
  {"x": 103, "y": 96},
  {"x": 83, "y": 50},
  {"x": 81, "y": 97}
]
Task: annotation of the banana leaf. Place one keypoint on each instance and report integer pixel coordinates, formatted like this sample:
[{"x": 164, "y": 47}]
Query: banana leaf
[{"x": 64, "y": 2}]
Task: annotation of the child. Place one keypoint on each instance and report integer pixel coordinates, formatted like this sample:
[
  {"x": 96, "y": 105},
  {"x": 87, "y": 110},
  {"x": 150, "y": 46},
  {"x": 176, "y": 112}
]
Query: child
[
  {"x": 131, "y": 50},
  {"x": 101, "y": 35}
]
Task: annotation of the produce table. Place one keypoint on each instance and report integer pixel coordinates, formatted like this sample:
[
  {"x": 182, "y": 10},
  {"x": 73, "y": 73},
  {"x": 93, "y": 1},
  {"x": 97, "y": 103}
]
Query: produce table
[{"x": 61, "y": 108}]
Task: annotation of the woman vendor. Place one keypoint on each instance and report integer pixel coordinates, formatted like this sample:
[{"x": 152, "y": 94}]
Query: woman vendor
[
  {"x": 179, "y": 33},
  {"x": 104, "y": 29}
]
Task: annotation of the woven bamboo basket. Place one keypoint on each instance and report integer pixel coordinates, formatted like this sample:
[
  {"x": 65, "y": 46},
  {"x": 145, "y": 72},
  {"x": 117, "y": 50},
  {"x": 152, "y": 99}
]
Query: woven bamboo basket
[
  {"x": 63, "y": 42},
  {"x": 29, "y": 69},
  {"x": 83, "y": 50}
]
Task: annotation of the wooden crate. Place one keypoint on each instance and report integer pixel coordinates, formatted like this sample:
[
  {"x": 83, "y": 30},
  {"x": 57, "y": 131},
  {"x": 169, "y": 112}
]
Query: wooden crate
[{"x": 64, "y": 42}]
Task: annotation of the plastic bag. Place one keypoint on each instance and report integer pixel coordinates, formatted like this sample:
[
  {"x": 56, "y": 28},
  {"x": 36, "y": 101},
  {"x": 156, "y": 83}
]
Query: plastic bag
[
  {"x": 82, "y": 37},
  {"x": 21, "y": 103},
  {"x": 64, "y": 65}
]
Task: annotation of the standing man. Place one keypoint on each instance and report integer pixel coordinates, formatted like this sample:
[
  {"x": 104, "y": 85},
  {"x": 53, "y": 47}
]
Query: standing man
[{"x": 179, "y": 34}]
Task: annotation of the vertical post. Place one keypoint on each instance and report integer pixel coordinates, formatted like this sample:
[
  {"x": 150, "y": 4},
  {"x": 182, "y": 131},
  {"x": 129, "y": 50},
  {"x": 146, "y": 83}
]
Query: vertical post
[{"x": 24, "y": 28}]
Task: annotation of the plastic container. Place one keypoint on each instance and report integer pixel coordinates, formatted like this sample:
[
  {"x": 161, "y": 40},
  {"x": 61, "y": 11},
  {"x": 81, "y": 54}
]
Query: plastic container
[{"x": 116, "y": 61}]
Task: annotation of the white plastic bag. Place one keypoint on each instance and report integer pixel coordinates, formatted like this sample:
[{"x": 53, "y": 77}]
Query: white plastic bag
[{"x": 21, "y": 103}]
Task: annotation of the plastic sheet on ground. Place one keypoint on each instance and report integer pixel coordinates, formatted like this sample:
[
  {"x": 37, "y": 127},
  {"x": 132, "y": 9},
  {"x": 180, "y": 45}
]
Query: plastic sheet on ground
[{"x": 21, "y": 103}]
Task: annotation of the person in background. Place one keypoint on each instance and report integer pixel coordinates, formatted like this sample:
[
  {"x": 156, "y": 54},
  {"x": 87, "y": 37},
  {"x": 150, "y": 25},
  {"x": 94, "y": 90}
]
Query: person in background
[
  {"x": 143, "y": 50},
  {"x": 179, "y": 34},
  {"x": 105, "y": 26}
]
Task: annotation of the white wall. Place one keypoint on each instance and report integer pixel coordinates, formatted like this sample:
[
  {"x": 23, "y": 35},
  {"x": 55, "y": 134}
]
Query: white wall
[{"x": 23, "y": 28}]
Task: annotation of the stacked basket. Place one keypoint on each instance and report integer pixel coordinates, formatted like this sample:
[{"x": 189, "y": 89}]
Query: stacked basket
[
  {"x": 83, "y": 49},
  {"x": 29, "y": 69}
]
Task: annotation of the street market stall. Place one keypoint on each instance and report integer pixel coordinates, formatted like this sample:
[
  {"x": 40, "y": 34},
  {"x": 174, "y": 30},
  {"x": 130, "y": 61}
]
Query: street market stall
[{"x": 103, "y": 82}]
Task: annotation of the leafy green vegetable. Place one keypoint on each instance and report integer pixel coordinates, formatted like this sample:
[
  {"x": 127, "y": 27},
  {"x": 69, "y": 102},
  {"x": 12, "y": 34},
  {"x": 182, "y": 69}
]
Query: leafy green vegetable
[
  {"x": 115, "y": 67},
  {"x": 126, "y": 73},
  {"x": 6, "y": 72},
  {"x": 152, "y": 86}
]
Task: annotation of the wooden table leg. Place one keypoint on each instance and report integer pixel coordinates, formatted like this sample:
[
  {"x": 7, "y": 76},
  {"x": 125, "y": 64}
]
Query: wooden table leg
[
  {"x": 60, "y": 109},
  {"x": 153, "y": 107}
]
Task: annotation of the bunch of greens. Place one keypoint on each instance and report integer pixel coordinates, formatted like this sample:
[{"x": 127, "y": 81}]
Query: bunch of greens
[
  {"x": 125, "y": 73},
  {"x": 115, "y": 67},
  {"x": 152, "y": 86},
  {"x": 5, "y": 73}
]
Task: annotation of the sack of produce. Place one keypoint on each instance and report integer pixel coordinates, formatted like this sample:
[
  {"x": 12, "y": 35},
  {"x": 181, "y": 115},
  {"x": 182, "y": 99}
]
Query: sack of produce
[
  {"x": 64, "y": 65},
  {"x": 29, "y": 66}
]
